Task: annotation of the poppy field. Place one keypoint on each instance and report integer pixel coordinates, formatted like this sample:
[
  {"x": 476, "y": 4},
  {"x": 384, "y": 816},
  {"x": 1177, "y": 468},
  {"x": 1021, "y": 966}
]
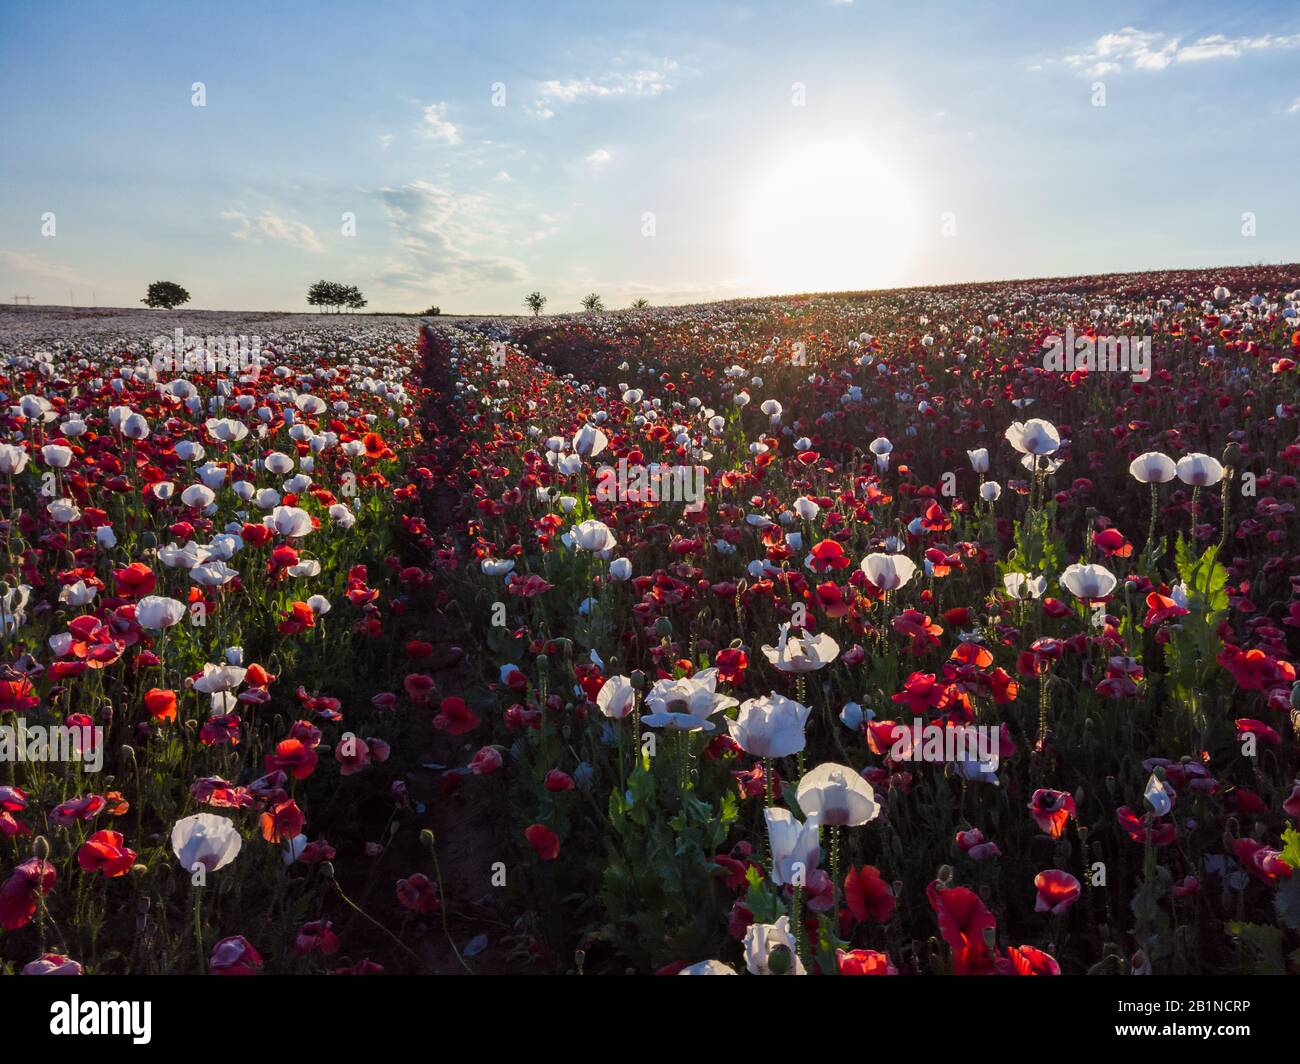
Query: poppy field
[{"x": 848, "y": 634}]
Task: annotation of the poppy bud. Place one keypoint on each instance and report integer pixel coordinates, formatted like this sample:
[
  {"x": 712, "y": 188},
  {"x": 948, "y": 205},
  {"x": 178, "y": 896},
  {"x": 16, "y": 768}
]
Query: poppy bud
[
  {"x": 128, "y": 755},
  {"x": 638, "y": 680},
  {"x": 427, "y": 839},
  {"x": 148, "y": 540},
  {"x": 613, "y": 666},
  {"x": 41, "y": 848},
  {"x": 543, "y": 664},
  {"x": 580, "y": 958},
  {"x": 663, "y": 628},
  {"x": 991, "y": 937},
  {"x": 1295, "y": 695},
  {"x": 139, "y": 870},
  {"x": 327, "y": 869},
  {"x": 1232, "y": 455},
  {"x": 944, "y": 875},
  {"x": 780, "y": 960}
]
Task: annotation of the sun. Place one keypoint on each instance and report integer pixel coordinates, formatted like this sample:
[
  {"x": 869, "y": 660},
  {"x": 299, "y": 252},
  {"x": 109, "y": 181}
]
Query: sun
[{"x": 829, "y": 216}]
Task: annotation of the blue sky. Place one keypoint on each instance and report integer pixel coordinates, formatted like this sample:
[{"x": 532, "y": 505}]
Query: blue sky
[{"x": 676, "y": 151}]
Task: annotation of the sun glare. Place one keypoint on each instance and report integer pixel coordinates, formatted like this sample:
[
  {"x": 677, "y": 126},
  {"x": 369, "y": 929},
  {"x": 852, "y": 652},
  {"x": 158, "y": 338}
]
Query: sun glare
[{"x": 826, "y": 217}]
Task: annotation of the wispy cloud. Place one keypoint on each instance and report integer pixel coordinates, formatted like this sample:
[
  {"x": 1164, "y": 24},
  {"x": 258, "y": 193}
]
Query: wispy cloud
[
  {"x": 271, "y": 226},
  {"x": 436, "y": 126},
  {"x": 439, "y": 233},
  {"x": 1294, "y": 109},
  {"x": 642, "y": 83},
  {"x": 1135, "y": 49},
  {"x": 27, "y": 265}
]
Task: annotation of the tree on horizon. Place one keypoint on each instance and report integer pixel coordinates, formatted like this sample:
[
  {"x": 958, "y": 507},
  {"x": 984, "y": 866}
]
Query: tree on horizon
[{"x": 165, "y": 295}]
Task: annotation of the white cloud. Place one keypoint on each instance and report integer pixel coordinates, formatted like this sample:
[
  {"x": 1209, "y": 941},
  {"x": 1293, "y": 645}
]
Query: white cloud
[
  {"x": 439, "y": 233},
  {"x": 643, "y": 83},
  {"x": 599, "y": 158},
  {"x": 270, "y": 226},
  {"x": 436, "y": 126},
  {"x": 1294, "y": 109},
  {"x": 386, "y": 140},
  {"x": 1135, "y": 49}
]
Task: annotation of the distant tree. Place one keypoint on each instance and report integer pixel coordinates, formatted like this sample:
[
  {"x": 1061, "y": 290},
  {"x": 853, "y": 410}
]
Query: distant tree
[
  {"x": 592, "y": 302},
  {"x": 165, "y": 294},
  {"x": 535, "y": 302},
  {"x": 333, "y": 294},
  {"x": 641, "y": 304},
  {"x": 433, "y": 311}
]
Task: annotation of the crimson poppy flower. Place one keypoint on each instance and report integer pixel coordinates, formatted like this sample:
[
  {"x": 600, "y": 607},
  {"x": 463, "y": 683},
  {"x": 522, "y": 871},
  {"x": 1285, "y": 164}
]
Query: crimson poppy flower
[
  {"x": 964, "y": 921},
  {"x": 294, "y": 757},
  {"x": 234, "y": 956},
  {"x": 316, "y": 937},
  {"x": 105, "y": 852},
  {"x": 864, "y": 962},
  {"x": 418, "y": 893},
  {"x": 1027, "y": 960},
  {"x": 19, "y": 892},
  {"x": 282, "y": 822},
  {"x": 1057, "y": 891},
  {"x": 868, "y": 896},
  {"x": 545, "y": 843},
  {"x": 455, "y": 717},
  {"x": 1052, "y": 810}
]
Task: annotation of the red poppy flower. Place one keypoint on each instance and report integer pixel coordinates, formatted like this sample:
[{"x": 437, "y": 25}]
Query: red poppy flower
[
  {"x": 418, "y": 893},
  {"x": 1057, "y": 891},
  {"x": 864, "y": 962},
  {"x": 235, "y": 956},
  {"x": 545, "y": 843},
  {"x": 161, "y": 703},
  {"x": 105, "y": 852},
  {"x": 283, "y": 821},
  {"x": 963, "y": 922},
  {"x": 455, "y": 717},
  {"x": 868, "y": 896}
]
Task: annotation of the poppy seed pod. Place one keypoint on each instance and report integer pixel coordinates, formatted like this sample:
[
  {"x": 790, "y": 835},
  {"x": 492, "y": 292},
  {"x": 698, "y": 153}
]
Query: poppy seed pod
[
  {"x": 663, "y": 628},
  {"x": 638, "y": 680},
  {"x": 1232, "y": 455},
  {"x": 779, "y": 960}
]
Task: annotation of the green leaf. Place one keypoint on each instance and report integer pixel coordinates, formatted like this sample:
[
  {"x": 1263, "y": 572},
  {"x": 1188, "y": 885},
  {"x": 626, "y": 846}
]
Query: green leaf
[
  {"x": 1264, "y": 945},
  {"x": 1291, "y": 847}
]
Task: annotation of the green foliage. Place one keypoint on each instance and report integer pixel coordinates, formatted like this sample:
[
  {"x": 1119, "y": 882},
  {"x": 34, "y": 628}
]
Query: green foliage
[
  {"x": 1262, "y": 946},
  {"x": 336, "y": 295},
  {"x": 166, "y": 295}
]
